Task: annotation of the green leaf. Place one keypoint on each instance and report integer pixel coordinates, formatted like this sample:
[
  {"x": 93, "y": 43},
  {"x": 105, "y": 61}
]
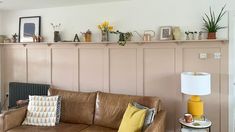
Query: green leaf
[{"x": 211, "y": 21}]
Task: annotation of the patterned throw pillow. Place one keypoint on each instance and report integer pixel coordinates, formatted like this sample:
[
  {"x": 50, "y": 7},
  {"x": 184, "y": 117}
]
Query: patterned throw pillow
[
  {"x": 43, "y": 111},
  {"x": 149, "y": 116}
]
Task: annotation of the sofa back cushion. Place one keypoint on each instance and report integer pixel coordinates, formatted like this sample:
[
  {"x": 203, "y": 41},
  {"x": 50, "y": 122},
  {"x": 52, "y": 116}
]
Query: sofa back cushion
[
  {"x": 110, "y": 108},
  {"x": 76, "y": 107}
]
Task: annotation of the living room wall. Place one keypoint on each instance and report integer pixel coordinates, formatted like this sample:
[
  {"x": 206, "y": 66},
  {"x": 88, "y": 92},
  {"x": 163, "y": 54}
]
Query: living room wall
[
  {"x": 149, "y": 69},
  {"x": 128, "y": 15},
  {"x": 1, "y": 30}
]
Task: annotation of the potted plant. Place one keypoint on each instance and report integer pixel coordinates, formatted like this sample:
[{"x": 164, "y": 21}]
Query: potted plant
[
  {"x": 56, "y": 28},
  {"x": 211, "y": 22},
  {"x": 123, "y": 37}
]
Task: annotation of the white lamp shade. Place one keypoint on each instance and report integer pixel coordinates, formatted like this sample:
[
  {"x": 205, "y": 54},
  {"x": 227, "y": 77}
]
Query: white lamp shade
[{"x": 195, "y": 83}]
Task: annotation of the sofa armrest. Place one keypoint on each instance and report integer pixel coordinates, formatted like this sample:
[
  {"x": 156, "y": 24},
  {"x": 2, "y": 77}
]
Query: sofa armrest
[
  {"x": 12, "y": 118},
  {"x": 159, "y": 123}
]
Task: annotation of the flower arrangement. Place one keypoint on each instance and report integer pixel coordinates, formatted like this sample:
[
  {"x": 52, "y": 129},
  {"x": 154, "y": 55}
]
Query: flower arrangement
[
  {"x": 105, "y": 27},
  {"x": 105, "y": 30},
  {"x": 56, "y": 27}
]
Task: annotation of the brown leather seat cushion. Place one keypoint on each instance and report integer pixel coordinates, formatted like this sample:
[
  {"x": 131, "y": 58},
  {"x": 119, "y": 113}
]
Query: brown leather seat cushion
[
  {"x": 94, "y": 128},
  {"x": 62, "y": 127},
  {"x": 110, "y": 108},
  {"x": 76, "y": 107}
]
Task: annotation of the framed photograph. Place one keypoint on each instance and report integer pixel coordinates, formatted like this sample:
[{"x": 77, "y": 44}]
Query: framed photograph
[
  {"x": 28, "y": 27},
  {"x": 166, "y": 33}
]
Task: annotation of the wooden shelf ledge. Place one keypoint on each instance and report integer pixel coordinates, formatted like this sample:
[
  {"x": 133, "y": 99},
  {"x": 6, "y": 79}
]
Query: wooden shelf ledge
[{"x": 107, "y": 43}]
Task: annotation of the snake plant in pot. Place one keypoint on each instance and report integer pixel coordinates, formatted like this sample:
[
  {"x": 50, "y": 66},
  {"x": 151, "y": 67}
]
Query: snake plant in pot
[{"x": 211, "y": 22}]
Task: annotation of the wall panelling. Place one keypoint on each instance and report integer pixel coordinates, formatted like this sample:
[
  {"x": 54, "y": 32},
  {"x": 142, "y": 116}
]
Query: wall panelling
[{"x": 151, "y": 69}]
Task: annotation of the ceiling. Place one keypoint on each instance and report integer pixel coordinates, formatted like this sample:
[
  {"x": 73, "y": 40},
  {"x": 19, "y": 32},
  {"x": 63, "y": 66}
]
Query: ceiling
[{"x": 36, "y": 4}]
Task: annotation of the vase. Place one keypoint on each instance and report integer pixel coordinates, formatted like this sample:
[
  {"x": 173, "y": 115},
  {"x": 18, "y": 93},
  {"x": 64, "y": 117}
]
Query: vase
[
  {"x": 177, "y": 33},
  {"x": 57, "y": 36},
  {"x": 2, "y": 37},
  {"x": 105, "y": 36},
  {"x": 211, "y": 35}
]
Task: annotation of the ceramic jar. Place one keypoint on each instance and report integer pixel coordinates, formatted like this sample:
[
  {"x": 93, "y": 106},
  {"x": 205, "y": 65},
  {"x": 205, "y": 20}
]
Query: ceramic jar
[
  {"x": 177, "y": 33},
  {"x": 87, "y": 36}
]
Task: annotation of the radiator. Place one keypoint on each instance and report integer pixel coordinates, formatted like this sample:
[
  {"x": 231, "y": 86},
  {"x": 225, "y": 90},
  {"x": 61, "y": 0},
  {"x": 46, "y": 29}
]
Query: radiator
[{"x": 21, "y": 91}]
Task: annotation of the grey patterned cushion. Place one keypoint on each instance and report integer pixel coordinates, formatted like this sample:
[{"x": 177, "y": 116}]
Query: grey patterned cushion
[
  {"x": 149, "y": 115},
  {"x": 58, "y": 110}
]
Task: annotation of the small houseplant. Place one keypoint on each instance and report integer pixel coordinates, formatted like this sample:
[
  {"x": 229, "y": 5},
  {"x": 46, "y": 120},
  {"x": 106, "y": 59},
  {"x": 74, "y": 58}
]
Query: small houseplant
[
  {"x": 211, "y": 22},
  {"x": 105, "y": 29},
  {"x": 123, "y": 37}
]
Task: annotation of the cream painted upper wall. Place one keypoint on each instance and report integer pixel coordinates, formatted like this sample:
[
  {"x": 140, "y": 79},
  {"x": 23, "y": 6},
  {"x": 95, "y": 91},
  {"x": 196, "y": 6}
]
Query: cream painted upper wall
[
  {"x": 19, "y": 5},
  {"x": 1, "y": 30},
  {"x": 130, "y": 15}
]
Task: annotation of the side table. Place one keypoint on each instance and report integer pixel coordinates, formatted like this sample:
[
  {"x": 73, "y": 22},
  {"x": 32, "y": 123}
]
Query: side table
[{"x": 206, "y": 124}]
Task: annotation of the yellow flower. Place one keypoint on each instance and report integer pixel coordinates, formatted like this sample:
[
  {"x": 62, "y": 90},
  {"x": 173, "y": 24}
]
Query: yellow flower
[
  {"x": 110, "y": 28},
  {"x": 99, "y": 26},
  {"x": 105, "y": 24}
]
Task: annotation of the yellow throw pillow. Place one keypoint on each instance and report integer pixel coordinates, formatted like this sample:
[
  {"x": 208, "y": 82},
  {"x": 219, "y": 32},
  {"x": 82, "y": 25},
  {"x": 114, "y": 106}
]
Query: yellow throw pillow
[{"x": 133, "y": 119}]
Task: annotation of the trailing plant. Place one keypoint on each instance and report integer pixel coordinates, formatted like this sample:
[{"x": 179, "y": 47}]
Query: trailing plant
[
  {"x": 123, "y": 37},
  {"x": 56, "y": 27},
  {"x": 211, "y": 22}
]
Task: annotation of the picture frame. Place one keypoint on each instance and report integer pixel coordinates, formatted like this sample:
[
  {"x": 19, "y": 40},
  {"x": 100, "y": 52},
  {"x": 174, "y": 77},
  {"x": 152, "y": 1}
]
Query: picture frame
[
  {"x": 29, "y": 27},
  {"x": 166, "y": 33}
]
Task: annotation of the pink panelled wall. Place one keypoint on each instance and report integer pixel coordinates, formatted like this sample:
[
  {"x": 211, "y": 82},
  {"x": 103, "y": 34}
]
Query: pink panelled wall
[{"x": 151, "y": 69}]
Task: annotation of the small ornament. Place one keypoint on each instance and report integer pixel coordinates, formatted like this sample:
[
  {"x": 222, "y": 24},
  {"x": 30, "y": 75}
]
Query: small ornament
[
  {"x": 193, "y": 35},
  {"x": 37, "y": 38},
  {"x": 200, "y": 35},
  {"x": 177, "y": 33},
  {"x": 57, "y": 29},
  {"x": 87, "y": 35},
  {"x": 76, "y": 38},
  {"x": 57, "y": 37},
  {"x": 34, "y": 38},
  {"x": 14, "y": 38},
  {"x": 187, "y": 36}
]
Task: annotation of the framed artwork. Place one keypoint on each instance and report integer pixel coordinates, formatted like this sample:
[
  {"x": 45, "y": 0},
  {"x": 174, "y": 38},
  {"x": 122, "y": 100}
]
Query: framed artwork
[
  {"x": 28, "y": 27},
  {"x": 166, "y": 33}
]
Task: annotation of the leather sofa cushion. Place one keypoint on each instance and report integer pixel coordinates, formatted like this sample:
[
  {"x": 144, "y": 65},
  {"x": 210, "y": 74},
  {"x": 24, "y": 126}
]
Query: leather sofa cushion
[
  {"x": 110, "y": 108},
  {"x": 76, "y": 107},
  {"x": 94, "y": 128},
  {"x": 62, "y": 127}
]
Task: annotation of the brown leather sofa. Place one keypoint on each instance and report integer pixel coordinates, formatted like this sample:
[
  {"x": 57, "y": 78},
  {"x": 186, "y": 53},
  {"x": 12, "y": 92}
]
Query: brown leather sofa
[{"x": 86, "y": 112}]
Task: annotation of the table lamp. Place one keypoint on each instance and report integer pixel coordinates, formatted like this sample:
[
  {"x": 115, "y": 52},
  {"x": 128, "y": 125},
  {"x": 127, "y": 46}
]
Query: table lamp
[{"x": 195, "y": 84}]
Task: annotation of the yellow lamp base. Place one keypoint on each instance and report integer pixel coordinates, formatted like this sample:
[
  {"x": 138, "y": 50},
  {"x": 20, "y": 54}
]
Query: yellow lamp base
[{"x": 195, "y": 107}]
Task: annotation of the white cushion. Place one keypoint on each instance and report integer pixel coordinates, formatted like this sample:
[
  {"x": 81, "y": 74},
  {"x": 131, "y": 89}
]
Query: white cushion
[{"x": 43, "y": 111}]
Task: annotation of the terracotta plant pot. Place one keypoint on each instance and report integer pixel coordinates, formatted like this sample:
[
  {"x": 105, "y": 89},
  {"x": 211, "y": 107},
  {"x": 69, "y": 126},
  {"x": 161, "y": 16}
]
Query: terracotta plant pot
[{"x": 211, "y": 35}]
